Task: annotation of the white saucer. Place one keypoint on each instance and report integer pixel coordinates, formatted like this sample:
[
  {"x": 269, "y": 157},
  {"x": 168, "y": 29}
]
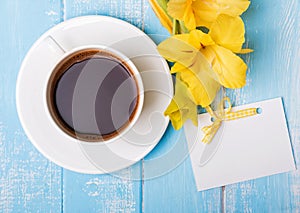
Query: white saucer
[{"x": 94, "y": 158}]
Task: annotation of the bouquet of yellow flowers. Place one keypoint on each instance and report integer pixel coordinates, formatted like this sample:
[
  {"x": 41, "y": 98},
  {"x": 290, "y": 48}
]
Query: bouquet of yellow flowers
[{"x": 206, "y": 37}]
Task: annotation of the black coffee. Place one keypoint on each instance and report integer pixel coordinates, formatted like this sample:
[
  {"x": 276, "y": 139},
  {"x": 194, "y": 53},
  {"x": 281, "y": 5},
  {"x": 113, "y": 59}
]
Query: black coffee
[{"x": 95, "y": 95}]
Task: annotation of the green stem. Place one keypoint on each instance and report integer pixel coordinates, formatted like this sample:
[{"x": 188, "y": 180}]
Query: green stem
[
  {"x": 182, "y": 28},
  {"x": 175, "y": 24}
]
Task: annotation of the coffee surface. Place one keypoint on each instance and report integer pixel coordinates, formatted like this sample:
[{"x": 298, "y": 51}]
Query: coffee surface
[{"x": 96, "y": 95}]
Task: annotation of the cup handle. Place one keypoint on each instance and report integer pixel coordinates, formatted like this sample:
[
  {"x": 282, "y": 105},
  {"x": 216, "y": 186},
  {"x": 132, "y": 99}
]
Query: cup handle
[{"x": 55, "y": 46}]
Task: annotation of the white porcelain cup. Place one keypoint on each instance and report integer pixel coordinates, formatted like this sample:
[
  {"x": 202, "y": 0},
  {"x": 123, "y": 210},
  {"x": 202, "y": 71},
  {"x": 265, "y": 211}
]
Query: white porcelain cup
[{"x": 87, "y": 114}]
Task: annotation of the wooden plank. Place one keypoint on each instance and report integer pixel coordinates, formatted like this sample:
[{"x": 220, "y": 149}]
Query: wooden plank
[
  {"x": 28, "y": 181},
  {"x": 128, "y": 10},
  {"x": 272, "y": 30},
  {"x": 104, "y": 193},
  {"x": 174, "y": 190}
]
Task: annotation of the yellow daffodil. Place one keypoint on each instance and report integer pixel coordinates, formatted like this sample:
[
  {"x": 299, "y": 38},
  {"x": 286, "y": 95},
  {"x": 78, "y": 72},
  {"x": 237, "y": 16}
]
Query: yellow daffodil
[
  {"x": 182, "y": 106},
  {"x": 207, "y": 61},
  {"x": 204, "y": 12}
]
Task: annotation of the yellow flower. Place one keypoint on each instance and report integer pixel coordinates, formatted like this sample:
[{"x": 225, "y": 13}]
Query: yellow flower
[
  {"x": 204, "y": 12},
  {"x": 162, "y": 15},
  {"x": 207, "y": 61},
  {"x": 182, "y": 106}
]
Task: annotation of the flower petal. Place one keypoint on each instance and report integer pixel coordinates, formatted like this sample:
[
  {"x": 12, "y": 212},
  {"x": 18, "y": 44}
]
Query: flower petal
[
  {"x": 202, "y": 87},
  {"x": 181, "y": 107},
  {"x": 177, "y": 48},
  {"x": 245, "y": 51},
  {"x": 206, "y": 12},
  {"x": 233, "y": 7},
  {"x": 199, "y": 39},
  {"x": 230, "y": 68},
  {"x": 182, "y": 10},
  {"x": 228, "y": 32},
  {"x": 177, "y": 8},
  {"x": 189, "y": 18}
]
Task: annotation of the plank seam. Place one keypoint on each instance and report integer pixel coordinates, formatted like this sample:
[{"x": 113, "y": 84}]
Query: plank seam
[
  {"x": 62, "y": 190},
  {"x": 63, "y": 10},
  {"x": 143, "y": 14},
  {"x": 142, "y": 187},
  {"x": 223, "y": 199}
]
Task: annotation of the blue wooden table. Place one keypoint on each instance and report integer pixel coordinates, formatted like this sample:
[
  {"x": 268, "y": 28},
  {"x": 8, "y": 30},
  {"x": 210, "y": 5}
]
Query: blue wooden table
[{"x": 30, "y": 183}]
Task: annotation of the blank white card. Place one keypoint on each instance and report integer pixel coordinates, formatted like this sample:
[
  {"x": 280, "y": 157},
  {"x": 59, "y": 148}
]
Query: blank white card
[{"x": 243, "y": 149}]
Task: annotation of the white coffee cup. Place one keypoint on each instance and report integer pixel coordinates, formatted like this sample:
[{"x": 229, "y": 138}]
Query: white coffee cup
[{"x": 62, "y": 66}]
